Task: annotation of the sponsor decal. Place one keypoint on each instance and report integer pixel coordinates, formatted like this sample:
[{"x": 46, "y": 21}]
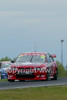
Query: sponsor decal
[
  {"x": 42, "y": 56},
  {"x": 28, "y": 71},
  {"x": 20, "y": 56}
]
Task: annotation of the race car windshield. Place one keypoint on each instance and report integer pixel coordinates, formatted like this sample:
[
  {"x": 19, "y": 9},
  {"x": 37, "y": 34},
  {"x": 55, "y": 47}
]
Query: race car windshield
[{"x": 31, "y": 58}]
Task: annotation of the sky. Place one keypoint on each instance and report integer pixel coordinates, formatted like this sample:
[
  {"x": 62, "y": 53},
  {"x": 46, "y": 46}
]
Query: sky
[{"x": 26, "y": 25}]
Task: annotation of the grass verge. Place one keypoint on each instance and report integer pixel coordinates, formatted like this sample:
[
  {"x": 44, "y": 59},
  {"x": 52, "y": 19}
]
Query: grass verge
[
  {"x": 39, "y": 93},
  {"x": 3, "y": 79}
]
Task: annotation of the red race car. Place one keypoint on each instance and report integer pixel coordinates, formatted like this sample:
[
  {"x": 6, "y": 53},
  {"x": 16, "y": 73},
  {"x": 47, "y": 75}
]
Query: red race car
[{"x": 33, "y": 66}]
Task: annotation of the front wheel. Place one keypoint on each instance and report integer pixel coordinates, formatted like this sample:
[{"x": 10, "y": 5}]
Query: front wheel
[{"x": 11, "y": 80}]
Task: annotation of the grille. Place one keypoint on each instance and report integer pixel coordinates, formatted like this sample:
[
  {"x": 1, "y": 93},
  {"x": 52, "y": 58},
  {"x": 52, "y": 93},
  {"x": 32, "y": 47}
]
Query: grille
[{"x": 25, "y": 76}]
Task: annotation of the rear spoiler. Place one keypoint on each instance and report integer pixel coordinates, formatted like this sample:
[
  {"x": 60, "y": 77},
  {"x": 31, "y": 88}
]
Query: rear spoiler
[{"x": 53, "y": 56}]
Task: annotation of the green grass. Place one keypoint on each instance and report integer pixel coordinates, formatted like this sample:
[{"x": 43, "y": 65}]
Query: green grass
[
  {"x": 3, "y": 79},
  {"x": 39, "y": 93}
]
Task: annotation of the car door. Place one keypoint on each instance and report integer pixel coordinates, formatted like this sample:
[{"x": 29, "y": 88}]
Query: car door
[{"x": 50, "y": 64}]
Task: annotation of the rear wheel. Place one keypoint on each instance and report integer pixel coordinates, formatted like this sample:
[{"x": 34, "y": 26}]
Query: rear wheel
[
  {"x": 56, "y": 75},
  {"x": 47, "y": 76}
]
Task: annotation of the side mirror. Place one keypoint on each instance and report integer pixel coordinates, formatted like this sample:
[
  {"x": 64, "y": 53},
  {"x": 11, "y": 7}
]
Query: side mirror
[{"x": 12, "y": 61}]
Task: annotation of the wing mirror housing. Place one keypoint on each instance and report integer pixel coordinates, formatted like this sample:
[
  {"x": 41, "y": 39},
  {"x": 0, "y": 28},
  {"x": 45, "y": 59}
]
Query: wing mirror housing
[{"x": 12, "y": 61}]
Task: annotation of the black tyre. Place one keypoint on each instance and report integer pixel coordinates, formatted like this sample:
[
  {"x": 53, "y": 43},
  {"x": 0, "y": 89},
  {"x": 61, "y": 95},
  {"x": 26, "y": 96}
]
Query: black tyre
[
  {"x": 11, "y": 80},
  {"x": 47, "y": 76},
  {"x": 56, "y": 75}
]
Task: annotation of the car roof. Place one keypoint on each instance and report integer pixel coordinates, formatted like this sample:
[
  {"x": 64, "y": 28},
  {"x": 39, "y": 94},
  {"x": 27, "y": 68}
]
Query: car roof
[{"x": 33, "y": 53}]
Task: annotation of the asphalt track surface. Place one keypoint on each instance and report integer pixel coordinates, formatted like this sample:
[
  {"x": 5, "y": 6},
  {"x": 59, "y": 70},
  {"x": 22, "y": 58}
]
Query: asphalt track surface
[{"x": 26, "y": 84}]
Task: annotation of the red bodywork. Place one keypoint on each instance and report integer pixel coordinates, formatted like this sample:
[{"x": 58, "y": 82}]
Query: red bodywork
[{"x": 32, "y": 71}]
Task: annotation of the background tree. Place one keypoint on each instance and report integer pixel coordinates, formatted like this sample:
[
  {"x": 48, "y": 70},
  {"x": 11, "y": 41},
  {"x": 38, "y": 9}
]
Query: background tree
[
  {"x": 5, "y": 59},
  {"x": 61, "y": 71}
]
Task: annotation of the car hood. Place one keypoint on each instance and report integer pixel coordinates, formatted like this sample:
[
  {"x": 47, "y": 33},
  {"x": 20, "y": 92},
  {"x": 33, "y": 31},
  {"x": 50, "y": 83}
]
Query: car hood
[{"x": 28, "y": 64}]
